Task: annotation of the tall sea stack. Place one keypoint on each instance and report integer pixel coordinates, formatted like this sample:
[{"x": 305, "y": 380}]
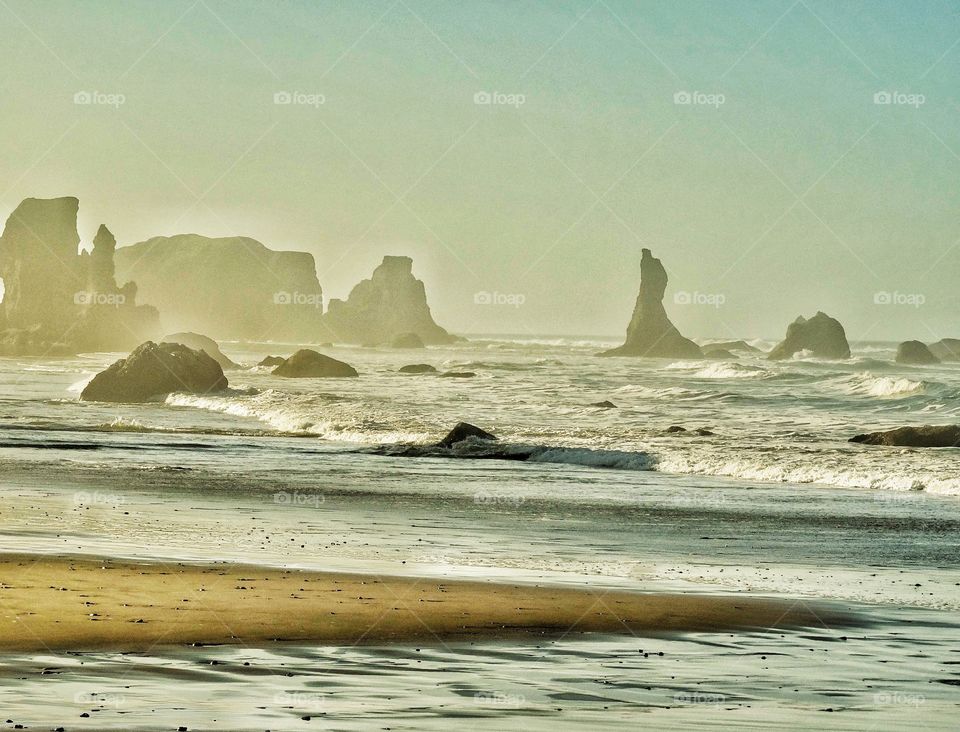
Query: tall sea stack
[{"x": 650, "y": 332}]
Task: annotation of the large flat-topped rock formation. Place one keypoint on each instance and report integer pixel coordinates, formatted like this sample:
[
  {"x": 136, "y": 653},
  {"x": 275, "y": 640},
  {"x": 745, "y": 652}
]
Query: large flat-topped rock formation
[
  {"x": 57, "y": 300},
  {"x": 821, "y": 335},
  {"x": 232, "y": 288},
  {"x": 650, "y": 332},
  {"x": 391, "y": 303}
]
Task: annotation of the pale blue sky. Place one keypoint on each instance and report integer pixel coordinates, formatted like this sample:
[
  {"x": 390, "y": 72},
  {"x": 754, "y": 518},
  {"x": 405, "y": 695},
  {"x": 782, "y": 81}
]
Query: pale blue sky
[{"x": 505, "y": 198}]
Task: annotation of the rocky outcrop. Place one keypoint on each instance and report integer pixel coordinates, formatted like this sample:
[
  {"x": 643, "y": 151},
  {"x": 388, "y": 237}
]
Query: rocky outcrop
[
  {"x": 464, "y": 431},
  {"x": 604, "y": 405},
  {"x": 57, "y": 300},
  {"x": 418, "y": 368},
  {"x": 822, "y": 335},
  {"x": 925, "y": 436},
  {"x": 947, "y": 349},
  {"x": 201, "y": 343},
  {"x": 272, "y": 361},
  {"x": 310, "y": 364},
  {"x": 916, "y": 353},
  {"x": 153, "y": 370},
  {"x": 234, "y": 288},
  {"x": 391, "y": 303},
  {"x": 730, "y": 346},
  {"x": 650, "y": 332},
  {"x": 407, "y": 340}
]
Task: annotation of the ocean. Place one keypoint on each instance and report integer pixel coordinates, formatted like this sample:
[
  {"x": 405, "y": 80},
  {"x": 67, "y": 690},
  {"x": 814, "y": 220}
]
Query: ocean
[{"x": 769, "y": 498}]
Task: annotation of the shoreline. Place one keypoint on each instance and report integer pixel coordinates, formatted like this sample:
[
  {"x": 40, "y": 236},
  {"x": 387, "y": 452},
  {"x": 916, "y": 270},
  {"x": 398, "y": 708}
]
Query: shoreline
[{"x": 68, "y": 603}]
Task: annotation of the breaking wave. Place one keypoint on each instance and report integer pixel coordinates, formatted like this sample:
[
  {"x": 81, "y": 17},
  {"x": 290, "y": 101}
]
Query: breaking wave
[{"x": 866, "y": 384}]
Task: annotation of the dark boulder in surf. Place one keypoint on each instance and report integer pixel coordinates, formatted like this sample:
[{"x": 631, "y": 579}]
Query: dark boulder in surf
[
  {"x": 463, "y": 431},
  {"x": 307, "y": 364},
  {"x": 407, "y": 340},
  {"x": 947, "y": 349},
  {"x": 924, "y": 436},
  {"x": 604, "y": 405},
  {"x": 418, "y": 368},
  {"x": 202, "y": 343},
  {"x": 650, "y": 332},
  {"x": 821, "y": 335},
  {"x": 916, "y": 353},
  {"x": 457, "y": 375},
  {"x": 154, "y": 370},
  {"x": 272, "y": 361}
]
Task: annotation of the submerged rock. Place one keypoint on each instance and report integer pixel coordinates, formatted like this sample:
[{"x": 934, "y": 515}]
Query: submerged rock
[
  {"x": 310, "y": 364},
  {"x": 457, "y": 375},
  {"x": 418, "y": 368},
  {"x": 925, "y": 436},
  {"x": 153, "y": 370},
  {"x": 947, "y": 349},
  {"x": 650, "y": 332},
  {"x": 272, "y": 361},
  {"x": 822, "y": 335},
  {"x": 604, "y": 405},
  {"x": 407, "y": 340},
  {"x": 391, "y": 303},
  {"x": 202, "y": 343},
  {"x": 463, "y": 431},
  {"x": 915, "y": 352},
  {"x": 719, "y": 354}
]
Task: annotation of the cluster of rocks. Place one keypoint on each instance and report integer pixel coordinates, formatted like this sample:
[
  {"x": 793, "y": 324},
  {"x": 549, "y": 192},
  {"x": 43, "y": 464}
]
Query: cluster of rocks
[{"x": 918, "y": 353}]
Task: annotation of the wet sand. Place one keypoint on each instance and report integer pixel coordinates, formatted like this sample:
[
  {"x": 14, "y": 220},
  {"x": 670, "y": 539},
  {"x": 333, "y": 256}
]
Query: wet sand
[{"x": 58, "y": 603}]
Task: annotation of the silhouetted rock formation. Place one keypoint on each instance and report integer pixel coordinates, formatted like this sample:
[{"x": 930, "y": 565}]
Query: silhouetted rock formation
[
  {"x": 153, "y": 370},
  {"x": 407, "y": 340},
  {"x": 391, "y": 303},
  {"x": 234, "y": 288},
  {"x": 915, "y": 352},
  {"x": 926, "y": 436},
  {"x": 418, "y": 368},
  {"x": 650, "y": 332},
  {"x": 310, "y": 364},
  {"x": 821, "y": 335},
  {"x": 730, "y": 346},
  {"x": 272, "y": 361},
  {"x": 463, "y": 431},
  {"x": 947, "y": 349},
  {"x": 201, "y": 343},
  {"x": 56, "y": 300},
  {"x": 720, "y": 354}
]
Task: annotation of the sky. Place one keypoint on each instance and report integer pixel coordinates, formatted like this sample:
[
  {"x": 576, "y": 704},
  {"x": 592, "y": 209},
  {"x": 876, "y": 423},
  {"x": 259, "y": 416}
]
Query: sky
[{"x": 779, "y": 156}]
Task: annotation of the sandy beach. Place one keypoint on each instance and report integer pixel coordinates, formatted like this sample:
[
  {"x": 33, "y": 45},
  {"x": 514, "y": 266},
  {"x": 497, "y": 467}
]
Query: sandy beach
[{"x": 77, "y": 604}]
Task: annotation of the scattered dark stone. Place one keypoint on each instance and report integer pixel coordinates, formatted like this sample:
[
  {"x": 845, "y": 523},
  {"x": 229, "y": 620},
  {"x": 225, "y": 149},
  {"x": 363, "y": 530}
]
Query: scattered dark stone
[
  {"x": 418, "y": 368},
  {"x": 310, "y": 364},
  {"x": 925, "y": 436},
  {"x": 675, "y": 428},
  {"x": 461, "y": 432}
]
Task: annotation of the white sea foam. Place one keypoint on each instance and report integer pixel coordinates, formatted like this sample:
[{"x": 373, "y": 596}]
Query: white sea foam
[
  {"x": 867, "y": 384},
  {"x": 617, "y": 459},
  {"x": 732, "y": 370}
]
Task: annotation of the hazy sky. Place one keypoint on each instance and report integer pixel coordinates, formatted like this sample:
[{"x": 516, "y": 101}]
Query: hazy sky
[{"x": 781, "y": 188}]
